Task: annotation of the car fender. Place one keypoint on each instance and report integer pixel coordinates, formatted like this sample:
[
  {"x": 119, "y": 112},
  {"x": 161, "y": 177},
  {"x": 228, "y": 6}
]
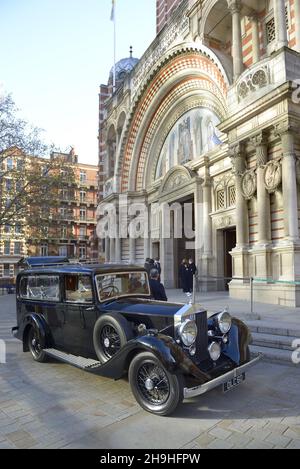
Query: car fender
[
  {"x": 165, "y": 349},
  {"x": 41, "y": 325},
  {"x": 239, "y": 341}
]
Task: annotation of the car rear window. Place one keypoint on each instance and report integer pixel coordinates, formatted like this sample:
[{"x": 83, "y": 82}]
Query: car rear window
[{"x": 40, "y": 287}]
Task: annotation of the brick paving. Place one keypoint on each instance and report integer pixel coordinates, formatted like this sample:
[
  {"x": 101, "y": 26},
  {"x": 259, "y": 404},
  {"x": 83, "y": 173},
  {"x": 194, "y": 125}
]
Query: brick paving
[{"x": 54, "y": 405}]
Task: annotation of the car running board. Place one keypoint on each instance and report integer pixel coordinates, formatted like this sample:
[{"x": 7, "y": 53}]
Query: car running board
[{"x": 79, "y": 362}]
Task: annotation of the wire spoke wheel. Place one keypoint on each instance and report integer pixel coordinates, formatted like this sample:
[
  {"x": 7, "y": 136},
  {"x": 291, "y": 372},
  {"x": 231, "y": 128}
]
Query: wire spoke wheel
[
  {"x": 110, "y": 341},
  {"x": 153, "y": 383}
]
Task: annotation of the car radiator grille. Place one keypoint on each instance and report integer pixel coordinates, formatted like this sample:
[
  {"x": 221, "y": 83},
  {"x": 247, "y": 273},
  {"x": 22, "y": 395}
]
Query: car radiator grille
[{"x": 202, "y": 337}]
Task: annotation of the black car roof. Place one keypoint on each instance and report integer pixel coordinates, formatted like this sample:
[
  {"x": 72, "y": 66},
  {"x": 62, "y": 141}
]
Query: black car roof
[{"x": 84, "y": 269}]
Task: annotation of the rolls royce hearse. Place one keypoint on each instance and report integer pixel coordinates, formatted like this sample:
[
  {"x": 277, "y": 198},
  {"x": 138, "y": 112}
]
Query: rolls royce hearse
[{"x": 101, "y": 318}]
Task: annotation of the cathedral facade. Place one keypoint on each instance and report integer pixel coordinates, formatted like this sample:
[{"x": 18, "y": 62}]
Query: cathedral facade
[{"x": 207, "y": 123}]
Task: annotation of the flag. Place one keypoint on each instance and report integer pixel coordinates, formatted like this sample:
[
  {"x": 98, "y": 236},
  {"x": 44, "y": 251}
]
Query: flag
[{"x": 112, "y": 15}]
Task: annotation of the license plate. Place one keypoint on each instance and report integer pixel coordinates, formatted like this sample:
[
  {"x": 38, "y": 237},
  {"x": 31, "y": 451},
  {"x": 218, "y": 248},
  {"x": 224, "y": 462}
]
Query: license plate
[{"x": 234, "y": 382}]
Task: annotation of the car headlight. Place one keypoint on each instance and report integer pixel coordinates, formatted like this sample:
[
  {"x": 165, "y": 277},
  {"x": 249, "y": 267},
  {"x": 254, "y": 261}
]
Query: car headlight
[
  {"x": 188, "y": 332},
  {"x": 214, "y": 350},
  {"x": 224, "y": 322}
]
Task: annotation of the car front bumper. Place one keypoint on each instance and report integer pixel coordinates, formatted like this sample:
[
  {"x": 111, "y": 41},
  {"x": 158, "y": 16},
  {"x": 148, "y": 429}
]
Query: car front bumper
[{"x": 203, "y": 388}]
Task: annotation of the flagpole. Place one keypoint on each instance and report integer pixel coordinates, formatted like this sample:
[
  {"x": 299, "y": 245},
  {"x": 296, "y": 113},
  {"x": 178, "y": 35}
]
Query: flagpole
[{"x": 115, "y": 47}]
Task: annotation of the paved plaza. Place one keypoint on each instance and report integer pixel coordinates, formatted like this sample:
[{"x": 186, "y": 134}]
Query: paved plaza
[{"x": 54, "y": 405}]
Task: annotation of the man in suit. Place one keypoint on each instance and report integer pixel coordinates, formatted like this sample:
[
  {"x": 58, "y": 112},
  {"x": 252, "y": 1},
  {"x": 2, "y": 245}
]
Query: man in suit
[
  {"x": 157, "y": 266},
  {"x": 158, "y": 291}
]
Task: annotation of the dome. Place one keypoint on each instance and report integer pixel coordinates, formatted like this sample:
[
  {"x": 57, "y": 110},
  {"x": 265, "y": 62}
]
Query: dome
[{"x": 123, "y": 68}]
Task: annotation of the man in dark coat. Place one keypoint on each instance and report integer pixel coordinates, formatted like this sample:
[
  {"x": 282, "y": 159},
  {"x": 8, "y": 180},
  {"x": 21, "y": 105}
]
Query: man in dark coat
[
  {"x": 158, "y": 291},
  {"x": 184, "y": 275},
  {"x": 192, "y": 270},
  {"x": 157, "y": 266}
]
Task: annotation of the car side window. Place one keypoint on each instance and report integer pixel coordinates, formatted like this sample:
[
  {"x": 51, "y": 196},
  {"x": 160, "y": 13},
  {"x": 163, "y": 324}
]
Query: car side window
[
  {"x": 78, "y": 289},
  {"x": 44, "y": 287}
]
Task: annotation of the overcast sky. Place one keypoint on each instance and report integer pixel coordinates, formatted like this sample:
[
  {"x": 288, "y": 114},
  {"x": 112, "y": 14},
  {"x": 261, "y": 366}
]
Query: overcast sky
[{"x": 55, "y": 53}]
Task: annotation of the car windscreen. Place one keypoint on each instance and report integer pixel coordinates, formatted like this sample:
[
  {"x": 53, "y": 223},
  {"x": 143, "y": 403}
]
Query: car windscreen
[{"x": 115, "y": 285}]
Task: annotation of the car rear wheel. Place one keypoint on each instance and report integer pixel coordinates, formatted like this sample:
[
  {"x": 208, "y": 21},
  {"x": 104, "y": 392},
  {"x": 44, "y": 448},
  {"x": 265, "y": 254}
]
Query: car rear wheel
[
  {"x": 155, "y": 389},
  {"x": 111, "y": 333},
  {"x": 35, "y": 346}
]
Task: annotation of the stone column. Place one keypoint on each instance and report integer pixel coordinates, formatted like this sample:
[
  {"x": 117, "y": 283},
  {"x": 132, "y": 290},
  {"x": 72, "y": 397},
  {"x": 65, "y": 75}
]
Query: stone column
[
  {"x": 297, "y": 23},
  {"x": 166, "y": 231},
  {"x": 207, "y": 222},
  {"x": 289, "y": 183},
  {"x": 107, "y": 249},
  {"x": 263, "y": 198},
  {"x": 118, "y": 249},
  {"x": 242, "y": 224},
  {"x": 237, "y": 46},
  {"x": 255, "y": 38},
  {"x": 132, "y": 243},
  {"x": 280, "y": 24},
  {"x": 112, "y": 250}
]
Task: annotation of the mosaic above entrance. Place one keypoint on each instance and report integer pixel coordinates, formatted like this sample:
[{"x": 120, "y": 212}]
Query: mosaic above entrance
[{"x": 194, "y": 134}]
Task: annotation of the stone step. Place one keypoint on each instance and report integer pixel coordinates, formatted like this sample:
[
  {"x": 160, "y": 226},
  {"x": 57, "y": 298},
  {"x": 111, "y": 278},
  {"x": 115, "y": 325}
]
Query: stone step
[
  {"x": 273, "y": 341},
  {"x": 277, "y": 328},
  {"x": 274, "y": 355}
]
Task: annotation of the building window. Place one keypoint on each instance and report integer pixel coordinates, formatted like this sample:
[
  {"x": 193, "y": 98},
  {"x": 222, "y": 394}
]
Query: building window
[
  {"x": 231, "y": 196},
  {"x": 7, "y": 248},
  {"x": 9, "y": 164},
  {"x": 6, "y": 270},
  {"x": 63, "y": 251},
  {"x": 82, "y": 176},
  {"x": 7, "y": 229},
  {"x": 82, "y": 231},
  {"x": 82, "y": 214},
  {"x": 82, "y": 196},
  {"x": 64, "y": 194},
  {"x": 63, "y": 231},
  {"x": 20, "y": 165},
  {"x": 44, "y": 250},
  {"x": 8, "y": 184},
  {"x": 220, "y": 199},
  {"x": 63, "y": 212},
  {"x": 82, "y": 252},
  {"x": 18, "y": 229},
  {"x": 17, "y": 249},
  {"x": 271, "y": 30}
]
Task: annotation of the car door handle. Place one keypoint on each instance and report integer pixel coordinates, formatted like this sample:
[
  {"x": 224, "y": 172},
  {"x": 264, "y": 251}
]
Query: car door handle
[{"x": 90, "y": 309}]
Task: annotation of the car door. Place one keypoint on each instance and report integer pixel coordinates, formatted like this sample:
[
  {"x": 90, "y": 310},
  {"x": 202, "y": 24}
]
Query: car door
[{"x": 80, "y": 314}]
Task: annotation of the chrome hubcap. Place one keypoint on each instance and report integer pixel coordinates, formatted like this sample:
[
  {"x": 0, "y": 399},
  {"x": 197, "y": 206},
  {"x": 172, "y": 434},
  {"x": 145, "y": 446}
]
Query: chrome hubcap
[
  {"x": 106, "y": 343},
  {"x": 149, "y": 385}
]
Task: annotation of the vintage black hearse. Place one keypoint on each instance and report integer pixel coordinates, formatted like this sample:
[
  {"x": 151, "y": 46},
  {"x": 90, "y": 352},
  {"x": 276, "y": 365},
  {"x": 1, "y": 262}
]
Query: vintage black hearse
[{"x": 101, "y": 318}]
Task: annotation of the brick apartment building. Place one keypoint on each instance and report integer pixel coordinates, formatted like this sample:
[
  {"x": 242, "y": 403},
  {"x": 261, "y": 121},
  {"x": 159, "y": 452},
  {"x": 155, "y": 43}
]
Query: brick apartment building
[{"x": 69, "y": 226}]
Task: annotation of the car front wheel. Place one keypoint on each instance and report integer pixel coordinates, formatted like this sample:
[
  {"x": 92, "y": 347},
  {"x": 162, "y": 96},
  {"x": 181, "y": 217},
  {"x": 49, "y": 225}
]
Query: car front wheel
[{"x": 155, "y": 389}]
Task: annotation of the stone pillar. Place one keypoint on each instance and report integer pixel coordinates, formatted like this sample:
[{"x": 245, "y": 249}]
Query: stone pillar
[
  {"x": 166, "y": 231},
  {"x": 237, "y": 47},
  {"x": 118, "y": 249},
  {"x": 242, "y": 224},
  {"x": 297, "y": 23},
  {"x": 280, "y": 24},
  {"x": 289, "y": 183},
  {"x": 132, "y": 243},
  {"x": 207, "y": 222},
  {"x": 240, "y": 252},
  {"x": 255, "y": 38},
  {"x": 107, "y": 249},
  {"x": 112, "y": 250},
  {"x": 262, "y": 249},
  {"x": 263, "y": 198}
]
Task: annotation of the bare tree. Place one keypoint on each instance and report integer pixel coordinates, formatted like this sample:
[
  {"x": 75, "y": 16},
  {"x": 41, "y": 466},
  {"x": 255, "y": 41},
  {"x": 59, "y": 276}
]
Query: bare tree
[{"x": 30, "y": 182}]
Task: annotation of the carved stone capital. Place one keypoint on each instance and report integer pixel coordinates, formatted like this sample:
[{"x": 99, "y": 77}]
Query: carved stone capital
[
  {"x": 237, "y": 156},
  {"x": 260, "y": 143},
  {"x": 234, "y": 6}
]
